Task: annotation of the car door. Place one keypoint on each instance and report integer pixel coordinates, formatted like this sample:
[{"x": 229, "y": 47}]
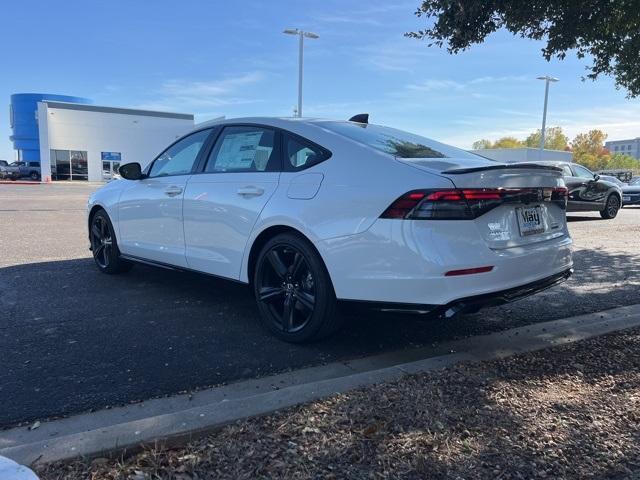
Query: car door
[
  {"x": 150, "y": 209},
  {"x": 585, "y": 192},
  {"x": 225, "y": 198}
]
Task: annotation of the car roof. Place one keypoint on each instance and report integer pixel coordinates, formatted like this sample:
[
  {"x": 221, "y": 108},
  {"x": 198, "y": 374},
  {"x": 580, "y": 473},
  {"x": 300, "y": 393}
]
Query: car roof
[{"x": 273, "y": 121}]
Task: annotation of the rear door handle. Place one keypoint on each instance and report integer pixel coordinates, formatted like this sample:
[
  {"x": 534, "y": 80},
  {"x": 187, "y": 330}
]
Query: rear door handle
[
  {"x": 250, "y": 191},
  {"x": 172, "y": 191}
]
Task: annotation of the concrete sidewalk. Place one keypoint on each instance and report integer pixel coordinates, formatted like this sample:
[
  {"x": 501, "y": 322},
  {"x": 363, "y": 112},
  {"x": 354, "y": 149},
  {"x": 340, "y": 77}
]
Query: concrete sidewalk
[{"x": 177, "y": 419}]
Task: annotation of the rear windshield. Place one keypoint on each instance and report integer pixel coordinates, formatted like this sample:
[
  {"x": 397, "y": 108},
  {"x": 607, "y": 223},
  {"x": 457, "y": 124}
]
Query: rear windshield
[{"x": 395, "y": 142}]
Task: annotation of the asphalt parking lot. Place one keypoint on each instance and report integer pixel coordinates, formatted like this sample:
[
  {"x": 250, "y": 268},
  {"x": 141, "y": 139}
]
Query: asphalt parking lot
[{"x": 72, "y": 339}]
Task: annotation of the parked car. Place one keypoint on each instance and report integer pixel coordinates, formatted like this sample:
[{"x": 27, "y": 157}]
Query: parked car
[
  {"x": 309, "y": 212},
  {"x": 610, "y": 179},
  {"x": 27, "y": 169},
  {"x": 588, "y": 192},
  {"x": 631, "y": 192},
  {"x": 8, "y": 172}
]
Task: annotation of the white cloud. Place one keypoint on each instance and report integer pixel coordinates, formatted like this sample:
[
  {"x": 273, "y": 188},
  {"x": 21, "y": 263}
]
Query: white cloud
[
  {"x": 180, "y": 94},
  {"x": 348, "y": 19},
  {"x": 434, "y": 84}
]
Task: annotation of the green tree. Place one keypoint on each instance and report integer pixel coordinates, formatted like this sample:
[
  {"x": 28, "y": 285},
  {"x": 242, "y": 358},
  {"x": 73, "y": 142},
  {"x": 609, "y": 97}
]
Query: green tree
[
  {"x": 588, "y": 145},
  {"x": 554, "y": 139},
  {"x": 481, "y": 144},
  {"x": 626, "y": 162},
  {"x": 508, "y": 142},
  {"x": 605, "y": 31}
]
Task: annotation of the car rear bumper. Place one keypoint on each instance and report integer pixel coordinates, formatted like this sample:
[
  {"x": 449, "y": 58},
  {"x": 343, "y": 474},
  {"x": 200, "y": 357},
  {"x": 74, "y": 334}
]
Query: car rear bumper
[
  {"x": 474, "y": 303},
  {"x": 407, "y": 263}
]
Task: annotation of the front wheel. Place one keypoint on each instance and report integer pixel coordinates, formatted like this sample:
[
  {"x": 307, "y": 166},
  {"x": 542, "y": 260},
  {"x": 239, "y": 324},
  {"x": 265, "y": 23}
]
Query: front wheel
[
  {"x": 104, "y": 245},
  {"x": 294, "y": 291},
  {"x": 35, "y": 175},
  {"x": 611, "y": 207}
]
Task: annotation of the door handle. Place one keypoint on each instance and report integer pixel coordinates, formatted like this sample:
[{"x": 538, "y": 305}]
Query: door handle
[
  {"x": 250, "y": 191},
  {"x": 173, "y": 191}
]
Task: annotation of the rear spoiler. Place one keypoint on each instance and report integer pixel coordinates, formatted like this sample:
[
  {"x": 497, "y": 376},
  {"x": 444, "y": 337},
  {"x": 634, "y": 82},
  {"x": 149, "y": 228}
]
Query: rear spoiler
[{"x": 504, "y": 166}]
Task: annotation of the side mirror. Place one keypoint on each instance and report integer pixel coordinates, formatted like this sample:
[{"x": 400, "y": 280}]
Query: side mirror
[
  {"x": 596, "y": 177},
  {"x": 131, "y": 171}
]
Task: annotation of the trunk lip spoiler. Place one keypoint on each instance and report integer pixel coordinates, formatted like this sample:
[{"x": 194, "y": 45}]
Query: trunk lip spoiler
[{"x": 503, "y": 166}]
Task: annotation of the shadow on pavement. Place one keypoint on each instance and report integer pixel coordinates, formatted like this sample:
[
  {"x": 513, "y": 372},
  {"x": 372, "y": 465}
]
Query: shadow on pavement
[{"x": 73, "y": 339}]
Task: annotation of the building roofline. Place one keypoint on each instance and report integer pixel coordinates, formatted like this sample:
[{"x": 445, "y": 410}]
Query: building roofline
[
  {"x": 117, "y": 110},
  {"x": 521, "y": 148}
]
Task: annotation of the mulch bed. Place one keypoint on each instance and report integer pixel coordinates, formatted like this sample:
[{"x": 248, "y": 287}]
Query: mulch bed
[{"x": 567, "y": 412}]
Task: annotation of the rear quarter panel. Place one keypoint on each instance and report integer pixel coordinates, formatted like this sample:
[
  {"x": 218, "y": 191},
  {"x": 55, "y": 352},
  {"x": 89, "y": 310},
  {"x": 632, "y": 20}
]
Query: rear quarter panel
[{"x": 358, "y": 184}]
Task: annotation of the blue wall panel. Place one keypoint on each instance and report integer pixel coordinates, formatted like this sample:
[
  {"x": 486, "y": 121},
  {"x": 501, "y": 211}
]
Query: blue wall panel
[{"x": 24, "y": 126}]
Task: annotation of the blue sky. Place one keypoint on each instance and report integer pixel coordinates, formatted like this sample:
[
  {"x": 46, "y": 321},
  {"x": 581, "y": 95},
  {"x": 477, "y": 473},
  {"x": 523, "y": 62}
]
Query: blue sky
[{"x": 217, "y": 58}]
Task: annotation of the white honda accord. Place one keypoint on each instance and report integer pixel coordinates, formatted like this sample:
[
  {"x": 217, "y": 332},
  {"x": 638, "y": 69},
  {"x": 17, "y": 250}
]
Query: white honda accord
[{"x": 310, "y": 211}]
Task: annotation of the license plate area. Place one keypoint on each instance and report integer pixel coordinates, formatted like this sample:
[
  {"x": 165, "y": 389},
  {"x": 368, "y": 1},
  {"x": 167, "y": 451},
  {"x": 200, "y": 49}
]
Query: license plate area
[
  {"x": 530, "y": 220},
  {"x": 626, "y": 198}
]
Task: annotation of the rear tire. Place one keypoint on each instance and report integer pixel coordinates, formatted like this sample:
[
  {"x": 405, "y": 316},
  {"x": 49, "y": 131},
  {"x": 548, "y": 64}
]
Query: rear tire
[
  {"x": 104, "y": 245},
  {"x": 293, "y": 290},
  {"x": 611, "y": 207},
  {"x": 35, "y": 176}
]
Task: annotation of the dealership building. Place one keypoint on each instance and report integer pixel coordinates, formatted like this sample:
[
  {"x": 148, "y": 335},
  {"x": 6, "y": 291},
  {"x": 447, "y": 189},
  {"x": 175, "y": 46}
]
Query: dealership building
[{"x": 73, "y": 139}]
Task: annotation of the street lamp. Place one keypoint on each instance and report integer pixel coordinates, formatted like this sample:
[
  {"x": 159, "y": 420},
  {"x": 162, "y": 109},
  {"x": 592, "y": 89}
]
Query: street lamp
[
  {"x": 547, "y": 80},
  {"x": 301, "y": 35}
]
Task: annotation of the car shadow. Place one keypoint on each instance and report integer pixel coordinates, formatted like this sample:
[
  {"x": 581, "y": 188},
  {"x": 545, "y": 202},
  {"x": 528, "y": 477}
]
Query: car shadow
[
  {"x": 74, "y": 339},
  {"x": 573, "y": 218}
]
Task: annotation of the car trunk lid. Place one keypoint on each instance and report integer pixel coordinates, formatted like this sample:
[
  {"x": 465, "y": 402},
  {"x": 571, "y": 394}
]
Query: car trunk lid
[{"x": 518, "y": 204}]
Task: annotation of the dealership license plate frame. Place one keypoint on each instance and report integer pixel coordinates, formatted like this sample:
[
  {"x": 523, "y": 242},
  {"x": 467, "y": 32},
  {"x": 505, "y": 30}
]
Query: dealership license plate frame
[{"x": 528, "y": 228}]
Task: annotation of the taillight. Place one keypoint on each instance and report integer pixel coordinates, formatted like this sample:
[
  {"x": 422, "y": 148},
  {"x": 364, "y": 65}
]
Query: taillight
[
  {"x": 467, "y": 203},
  {"x": 560, "y": 196},
  {"x": 450, "y": 204}
]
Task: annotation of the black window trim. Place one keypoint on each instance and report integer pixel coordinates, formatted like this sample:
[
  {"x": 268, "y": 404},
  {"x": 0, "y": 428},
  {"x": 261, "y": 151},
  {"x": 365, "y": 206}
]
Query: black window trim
[
  {"x": 216, "y": 130},
  {"x": 287, "y": 167},
  {"x": 277, "y": 146}
]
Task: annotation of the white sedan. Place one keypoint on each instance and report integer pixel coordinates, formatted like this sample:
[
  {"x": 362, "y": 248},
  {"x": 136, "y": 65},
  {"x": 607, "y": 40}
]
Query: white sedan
[{"x": 309, "y": 212}]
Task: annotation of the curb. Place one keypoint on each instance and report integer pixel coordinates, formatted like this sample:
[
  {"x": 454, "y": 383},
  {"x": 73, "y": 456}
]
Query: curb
[
  {"x": 178, "y": 419},
  {"x": 22, "y": 182}
]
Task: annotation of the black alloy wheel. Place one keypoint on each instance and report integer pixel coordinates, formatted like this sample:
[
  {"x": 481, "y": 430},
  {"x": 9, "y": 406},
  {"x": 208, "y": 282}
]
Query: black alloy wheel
[
  {"x": 611, "y": 207},
  {"x": 293, "y": 290},
  {"x": 104, "y": 245}
]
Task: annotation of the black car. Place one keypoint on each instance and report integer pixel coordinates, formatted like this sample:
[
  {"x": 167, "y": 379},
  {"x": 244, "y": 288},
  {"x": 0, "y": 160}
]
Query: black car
[
  {"x": 588, "y": 192},
  {"x": 631, "y": 192}
]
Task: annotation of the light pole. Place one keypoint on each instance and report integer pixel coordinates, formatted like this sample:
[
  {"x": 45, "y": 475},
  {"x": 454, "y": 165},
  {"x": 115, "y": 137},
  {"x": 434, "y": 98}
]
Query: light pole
[
  {"x": 301, "y": 34},
  {"x": 547, "y": 80}
]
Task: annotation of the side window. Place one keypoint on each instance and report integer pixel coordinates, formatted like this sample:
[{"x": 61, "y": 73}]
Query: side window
[
  {"x": 243, "y": 149},
  {"x": 566, "y": 171},
  {"x": 180, "y": 157},
  {"x": 582, "y": 172},
  {"x": 300, "y": 154}
]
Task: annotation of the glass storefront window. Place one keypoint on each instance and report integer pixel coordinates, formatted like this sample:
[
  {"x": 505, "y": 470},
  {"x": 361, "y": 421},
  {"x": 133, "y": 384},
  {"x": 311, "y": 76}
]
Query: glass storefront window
[
  {"x": 79, "y": 167},
  {"x": 69, "y": 165}
]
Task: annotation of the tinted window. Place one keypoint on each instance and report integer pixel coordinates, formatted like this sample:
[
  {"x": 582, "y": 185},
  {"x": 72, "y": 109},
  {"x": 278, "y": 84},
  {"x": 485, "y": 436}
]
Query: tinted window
[
  {"x": 301, "y": 154},
  {"x": 395, "y": 142},
  {"x": 582, "y": 172},
  {"x": 34, "y": 164},
  {"x": 566, "y": 171},
  {"x": 243, "y": 149},
  {"x": 179, "y": 158}
]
